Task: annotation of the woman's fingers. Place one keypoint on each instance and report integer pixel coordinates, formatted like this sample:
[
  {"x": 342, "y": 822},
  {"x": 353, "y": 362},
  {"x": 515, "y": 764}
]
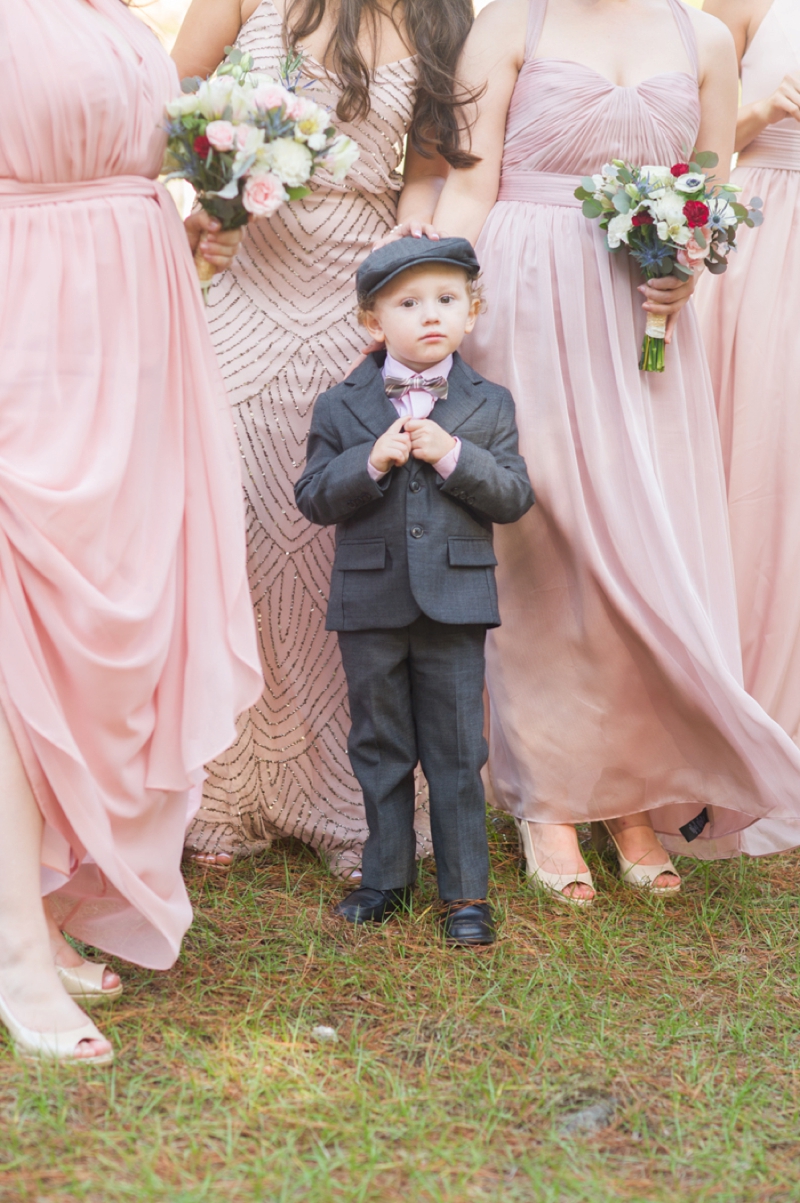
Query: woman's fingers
[{"x": 413, "y": 228}]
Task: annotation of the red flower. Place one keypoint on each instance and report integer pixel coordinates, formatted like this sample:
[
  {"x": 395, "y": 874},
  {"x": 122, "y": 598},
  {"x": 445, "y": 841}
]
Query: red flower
[
  {"x": 696, "y": 213},
  {"x": 202, "y": 146},
  {"x": 642, "y": 219},
  {"x": 679, "y": 169}
]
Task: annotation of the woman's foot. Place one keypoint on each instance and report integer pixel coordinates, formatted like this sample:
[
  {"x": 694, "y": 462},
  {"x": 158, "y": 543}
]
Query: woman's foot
[
  {"x": 213, "y": 860},
  {"x": 640, "y": 845},
  {"x": 35, "y": 999},
  {"x": 65, "y": 956},
  {"x": 557, "y": 851}
]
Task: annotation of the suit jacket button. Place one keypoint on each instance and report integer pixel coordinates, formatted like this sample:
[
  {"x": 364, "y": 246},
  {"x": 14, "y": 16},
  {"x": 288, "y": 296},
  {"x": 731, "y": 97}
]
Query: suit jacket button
[
  {"x": 415, "y": 486},
  {"x": 417, "y": 532}
]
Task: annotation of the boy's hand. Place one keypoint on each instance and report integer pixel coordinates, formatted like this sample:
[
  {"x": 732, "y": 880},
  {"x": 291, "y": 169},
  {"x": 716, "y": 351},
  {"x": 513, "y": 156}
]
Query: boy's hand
[
  {"x": 391, "y": 449},
  {"x": 428, "y": 441}
]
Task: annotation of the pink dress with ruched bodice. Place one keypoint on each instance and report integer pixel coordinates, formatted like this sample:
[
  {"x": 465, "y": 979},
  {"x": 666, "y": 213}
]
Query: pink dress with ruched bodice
[
  {"x": 748, "y": 318},
  {"x": 615, "y": 680},
  {"x": 127, "y": 642}
]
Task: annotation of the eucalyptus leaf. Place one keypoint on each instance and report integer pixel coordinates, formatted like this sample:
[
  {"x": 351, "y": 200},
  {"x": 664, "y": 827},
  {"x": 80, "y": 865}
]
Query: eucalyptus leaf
[
  {"x": 591, "y": 209},
  {"x": 588, "y": 183},
  {"x": 756, "y": 203},
  {"x": 298, "y": 193},
  {"x": 622, "y": 202},
  {"x": 699, "y": 238},
  {"x": 191, "y": 84},
  {"x": 706, "y": 159},
  {"x": 717, "y": 268},
  {"x": 756, "y": 218}
]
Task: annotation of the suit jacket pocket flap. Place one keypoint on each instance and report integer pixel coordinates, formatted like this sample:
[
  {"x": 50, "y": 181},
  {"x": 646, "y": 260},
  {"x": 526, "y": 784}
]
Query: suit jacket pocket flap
[
  {"x": 470, "y": 553},
  {"x": 361, "y": 555}
]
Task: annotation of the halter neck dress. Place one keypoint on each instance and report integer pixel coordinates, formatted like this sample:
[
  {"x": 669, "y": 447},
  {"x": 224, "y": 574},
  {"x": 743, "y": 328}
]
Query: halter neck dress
[
  {"x": 127, "y": 643},
  {"x": 615, "y": 680},
  {"x": 748, "y": 318}
]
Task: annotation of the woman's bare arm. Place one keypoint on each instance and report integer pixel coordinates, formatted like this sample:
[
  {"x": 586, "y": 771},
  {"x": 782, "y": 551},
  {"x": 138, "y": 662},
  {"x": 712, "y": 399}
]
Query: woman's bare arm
[
  {"x": 209, "y": 26},
  {"x": 423, "y": 180},
  {"x": 743, "y": 18},
  {"x": 489, "y": 66},
  {"x": 719, "y": 90}
]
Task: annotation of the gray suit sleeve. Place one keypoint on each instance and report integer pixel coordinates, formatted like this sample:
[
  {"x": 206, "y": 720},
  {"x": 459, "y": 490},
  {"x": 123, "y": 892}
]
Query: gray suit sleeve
[
  {"x": 493, "y": 480},
  {"x": 334, "y": 483}
]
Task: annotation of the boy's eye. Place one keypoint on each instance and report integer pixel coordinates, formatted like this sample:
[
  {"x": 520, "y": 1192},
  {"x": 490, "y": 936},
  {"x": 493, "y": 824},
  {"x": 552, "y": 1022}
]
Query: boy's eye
[
  {"x": 408, "y": 303},
  {"x": 447, "y": 299}
]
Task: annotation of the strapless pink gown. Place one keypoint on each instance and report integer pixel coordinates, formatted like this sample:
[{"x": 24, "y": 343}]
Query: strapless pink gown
[
  {"x": 127, "y": 642},
  {"x": 615, "y": 680},
  {"x": 748, "y": 319}
]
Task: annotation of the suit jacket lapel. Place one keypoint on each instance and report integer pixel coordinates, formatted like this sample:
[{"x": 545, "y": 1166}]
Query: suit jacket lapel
[
  {"x": 366, "y": 398},
  {"x": 464, "y": 395}
]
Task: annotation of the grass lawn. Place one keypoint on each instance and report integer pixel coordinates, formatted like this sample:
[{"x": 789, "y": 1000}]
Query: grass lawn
[{"x": 641, "y": 1050}]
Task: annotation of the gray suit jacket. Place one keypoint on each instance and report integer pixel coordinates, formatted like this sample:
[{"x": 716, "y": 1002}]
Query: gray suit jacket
[{"x": 413, "y": 543}]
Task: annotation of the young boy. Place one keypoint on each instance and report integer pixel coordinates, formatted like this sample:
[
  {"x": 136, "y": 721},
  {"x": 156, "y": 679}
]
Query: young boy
[{"x": 413, "y": 457}]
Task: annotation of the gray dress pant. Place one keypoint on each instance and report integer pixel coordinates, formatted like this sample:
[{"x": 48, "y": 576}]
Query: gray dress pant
[{"x": 416, "y": 694}]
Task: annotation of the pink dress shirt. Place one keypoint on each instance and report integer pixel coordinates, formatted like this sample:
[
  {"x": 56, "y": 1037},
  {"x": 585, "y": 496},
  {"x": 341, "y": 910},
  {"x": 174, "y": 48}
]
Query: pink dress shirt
[{"x": 417, "y": 403}]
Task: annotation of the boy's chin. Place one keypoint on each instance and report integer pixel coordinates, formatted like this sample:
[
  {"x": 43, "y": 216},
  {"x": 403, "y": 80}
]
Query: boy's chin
[{"x": 427, "y": 353}]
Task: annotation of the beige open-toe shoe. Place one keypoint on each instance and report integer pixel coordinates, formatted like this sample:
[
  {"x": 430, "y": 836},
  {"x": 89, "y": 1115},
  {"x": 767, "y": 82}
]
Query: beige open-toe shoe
[
  {"x": 551, "y": 883},
  {"x": 85, "y": 982},
  {"x": 633, "y": 873},
  {"x": 53, "y": 1046}
]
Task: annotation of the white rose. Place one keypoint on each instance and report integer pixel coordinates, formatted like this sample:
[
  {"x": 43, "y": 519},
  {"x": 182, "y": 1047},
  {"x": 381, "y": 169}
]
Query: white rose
[
  {"x": 291, "y": 161},
  {"x": 183, "y": 105},
  {"x": 214, "y": 96},
  {"x": 341, "y": 157},
  {"x": 669, "y": 208},
  {"x": 657, "y": 175},
  {"x": 618, "y": 229}
]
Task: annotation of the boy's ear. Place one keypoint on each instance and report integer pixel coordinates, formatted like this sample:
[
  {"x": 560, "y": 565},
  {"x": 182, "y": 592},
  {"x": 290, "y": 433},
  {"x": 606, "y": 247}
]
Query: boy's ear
[{"x": 374, "y": 327}]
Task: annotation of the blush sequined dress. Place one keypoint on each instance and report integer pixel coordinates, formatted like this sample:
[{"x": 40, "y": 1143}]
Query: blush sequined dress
[{"x": 283, "y": 323}]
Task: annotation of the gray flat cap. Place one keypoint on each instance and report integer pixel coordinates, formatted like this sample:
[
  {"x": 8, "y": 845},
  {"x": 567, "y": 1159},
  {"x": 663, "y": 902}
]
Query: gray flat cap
[{"x": 389, "y": 261}]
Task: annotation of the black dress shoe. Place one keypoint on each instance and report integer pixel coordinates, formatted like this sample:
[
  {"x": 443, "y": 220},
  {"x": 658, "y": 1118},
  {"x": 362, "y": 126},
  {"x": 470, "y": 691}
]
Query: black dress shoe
[
  {"x": 468, "y": 923},
  {"x": 372, "y": 906}
]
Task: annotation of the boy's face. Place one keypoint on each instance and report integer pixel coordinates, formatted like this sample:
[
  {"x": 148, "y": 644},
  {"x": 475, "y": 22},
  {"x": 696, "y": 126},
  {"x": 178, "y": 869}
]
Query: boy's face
[{"x": 423, "y": 314}]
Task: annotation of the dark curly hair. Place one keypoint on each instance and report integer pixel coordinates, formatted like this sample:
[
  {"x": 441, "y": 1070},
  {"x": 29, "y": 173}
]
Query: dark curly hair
[{"x": 436, "y": 31}]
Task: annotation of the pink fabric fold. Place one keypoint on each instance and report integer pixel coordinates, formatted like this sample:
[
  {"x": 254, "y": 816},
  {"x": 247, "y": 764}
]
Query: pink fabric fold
[{"x": 127, "y": 644}]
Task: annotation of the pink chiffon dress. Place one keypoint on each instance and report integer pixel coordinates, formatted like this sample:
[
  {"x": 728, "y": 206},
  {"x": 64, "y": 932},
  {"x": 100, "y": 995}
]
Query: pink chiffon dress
[
  {"x": 747, "y": 318},
  {"x": 127, "y": 642},
  {"x": 615, "y": 681}
]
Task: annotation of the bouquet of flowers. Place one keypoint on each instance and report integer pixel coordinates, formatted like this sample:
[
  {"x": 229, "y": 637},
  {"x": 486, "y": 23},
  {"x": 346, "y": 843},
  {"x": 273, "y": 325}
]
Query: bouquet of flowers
[
  {"x": 672, "y": 220},
  {"x": 248, "y": 143}
]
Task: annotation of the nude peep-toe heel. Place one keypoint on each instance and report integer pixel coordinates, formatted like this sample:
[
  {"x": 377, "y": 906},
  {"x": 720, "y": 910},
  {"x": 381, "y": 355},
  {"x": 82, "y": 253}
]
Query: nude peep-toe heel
[
  {"x": 52, "y": 1046},
  {"x": 633, "y": 873},
  {"x": 551, "y": 883},
  {"x": 85, "y": 982}
]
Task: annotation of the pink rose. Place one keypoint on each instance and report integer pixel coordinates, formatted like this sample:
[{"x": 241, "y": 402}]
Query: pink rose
[
  {"x": 271, "y": 96},
  {"x": 263, "y": 194},
  {"x": 692, "y": 254},
  {"x": 297, "y": 106},
  {"x": 221, "y": 135}
]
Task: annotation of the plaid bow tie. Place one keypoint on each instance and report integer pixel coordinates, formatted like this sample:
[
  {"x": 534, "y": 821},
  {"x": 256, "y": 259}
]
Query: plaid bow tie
[{"x": 436, "y": 386}]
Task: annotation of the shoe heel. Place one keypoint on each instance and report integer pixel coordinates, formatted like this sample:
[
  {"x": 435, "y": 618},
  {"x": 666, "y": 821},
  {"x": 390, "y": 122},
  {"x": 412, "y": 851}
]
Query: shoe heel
[{"x": 601, "y": 841}]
